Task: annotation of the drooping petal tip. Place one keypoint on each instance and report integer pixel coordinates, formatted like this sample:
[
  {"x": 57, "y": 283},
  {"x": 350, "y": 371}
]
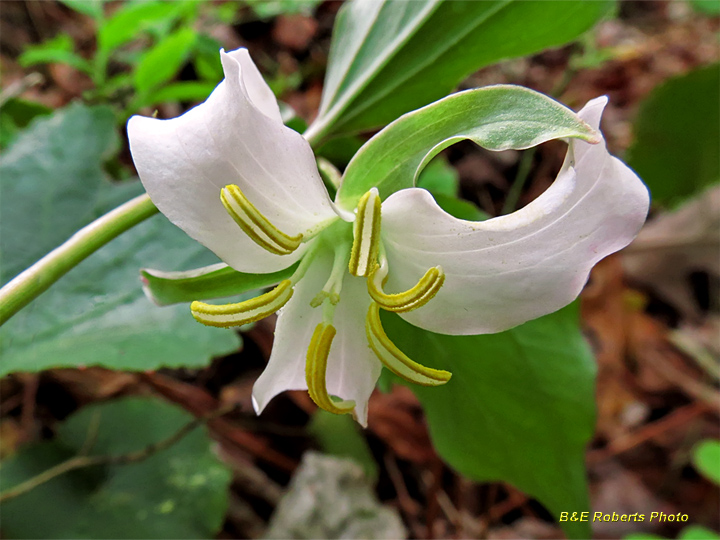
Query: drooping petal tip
[
  {"x": 507, "y": 270},
  {"x": 236, "y": 137}
]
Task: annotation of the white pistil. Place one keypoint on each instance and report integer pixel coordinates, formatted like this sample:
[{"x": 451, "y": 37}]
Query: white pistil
[{"x": 333, "y": 286}]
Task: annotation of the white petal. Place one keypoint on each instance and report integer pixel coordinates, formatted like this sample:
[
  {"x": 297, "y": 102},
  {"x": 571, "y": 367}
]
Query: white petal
[
  {"x": 235, "y": 137},
  {"x": 508, "y": 270},
  {"x": 258, "y": 90},
  {"x": 353, "y": 368}
]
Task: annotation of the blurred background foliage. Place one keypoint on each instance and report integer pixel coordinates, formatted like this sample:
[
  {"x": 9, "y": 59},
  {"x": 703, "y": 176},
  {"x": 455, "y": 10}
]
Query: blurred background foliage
[{"x": 95, "y": 372}]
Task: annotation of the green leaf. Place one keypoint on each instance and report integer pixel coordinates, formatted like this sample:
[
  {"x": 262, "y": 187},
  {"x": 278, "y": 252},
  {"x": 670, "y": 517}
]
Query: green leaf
[
  {"x": 339, "y": 435},
  {"x": 51, "y": 179},
  {"x": 459, "y": 208},
  {"x": 92, "y": 8},
  {"x": 52, "y": 183},
  {"x": 58, "y": 50},
  {"x": 706, "y": 457},
  {"x": 393, "y": 56},
  {"x": 340, "y": 150},
  {"x": 441, "y": 180},
  {"x": 677, "y": 137},
  {"x": 215, "y": 281},
  {"x": 132, "y": 19},
  {"x": 15, "y": 114},
  {"x": 708, "y": 7},
  {"x": 697, "y": 532},
  {"x": 519, "y": 407},
  {"x": 194, "y": 91},
  {"x": 207, "y": 60},
  {"x": 496, "y": 117},
  {"x": 267, "y": 9},
  {"x": 180, "y": 492},
  {"x": 164, "y": 60},
  {"x": 439, "y": 177}
]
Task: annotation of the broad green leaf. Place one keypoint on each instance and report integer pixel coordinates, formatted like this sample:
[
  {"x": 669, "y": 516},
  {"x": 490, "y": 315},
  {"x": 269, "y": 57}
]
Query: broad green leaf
[
  {"x": 706, "y": 457},
  {"x": 215, "y": 281},
  {"x": 496, "y": 117},
  {"x": 51, "y": 180},
  {"x": 442, "y": 181},
  {"x": 180, "y": 492},
  {"x": 677, "y": 137},
  {"x": 519, "y": 407},
  {"x": 389, "y": 57},
  {"x": 16, "y": 114},
  {"x": 439, "y": 177},
  {"x": 92, "y": 8},
  {"x": 697, "y": 532},
  {"x": 52, "y": 184},
  {"x": 459, "y": 208},
  {"x": 132, "y": 19},
  {"x": 58, "y": 50},
  {"x": 708, "y": 7},
  {"x": 339, "y": 435},
  {"x": 164, "y": 60}
]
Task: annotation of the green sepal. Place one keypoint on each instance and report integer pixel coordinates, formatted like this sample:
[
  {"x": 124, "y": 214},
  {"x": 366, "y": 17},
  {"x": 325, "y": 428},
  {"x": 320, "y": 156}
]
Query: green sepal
[
  {"x": 498, "y": 118},
  {"x": 214, "y": 281}
]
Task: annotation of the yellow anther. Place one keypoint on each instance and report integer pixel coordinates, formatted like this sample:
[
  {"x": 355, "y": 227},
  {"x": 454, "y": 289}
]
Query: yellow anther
[
  {"x": 415, "y": 297},
  {"x": 366, "y": 234},
  {"x": 243, "y": 312},
  {"x": 256, "y": 225},
  {"x": 316, "y": 370},
  {"x": 396, "y": 360}
]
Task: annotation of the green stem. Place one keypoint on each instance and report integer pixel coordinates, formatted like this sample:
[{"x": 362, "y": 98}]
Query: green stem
[
  {"x": 521, "y": 177},
  {"x": 29, "y": 284}
]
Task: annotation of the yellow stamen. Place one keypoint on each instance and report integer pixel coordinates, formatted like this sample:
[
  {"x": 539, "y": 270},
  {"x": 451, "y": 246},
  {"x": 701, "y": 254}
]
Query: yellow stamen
[
  {"x": 366, "y": 234},
  {"x": 252, "y": 310},
  {"x": 415, "y": 297},
  {"x": 256, "y": 225},
  {"x": 394, "y": 359},
  {"x": 316, "y": 370}
]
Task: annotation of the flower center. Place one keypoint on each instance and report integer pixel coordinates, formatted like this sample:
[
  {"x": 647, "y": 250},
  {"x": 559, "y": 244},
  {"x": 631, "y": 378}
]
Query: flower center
[{"x": 360, "y": 250}]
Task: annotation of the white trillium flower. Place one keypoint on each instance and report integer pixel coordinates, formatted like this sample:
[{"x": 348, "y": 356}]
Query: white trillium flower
[{"x": 234, "y": 178}]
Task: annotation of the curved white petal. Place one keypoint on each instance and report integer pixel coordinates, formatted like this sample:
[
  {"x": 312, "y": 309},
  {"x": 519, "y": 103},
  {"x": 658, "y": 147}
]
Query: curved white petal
[
  {"x": 257, "y": 89},
  {"x": 508, "y": 270},
  {"x": 352, "y": 369},
  {"x": 235, "y": 137}
]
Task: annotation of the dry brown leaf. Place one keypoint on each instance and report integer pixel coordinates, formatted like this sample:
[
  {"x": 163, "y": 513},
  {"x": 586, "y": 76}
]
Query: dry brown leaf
[
  {"x": 675, "y": 244},
  {"x": 397, "y": 419}
]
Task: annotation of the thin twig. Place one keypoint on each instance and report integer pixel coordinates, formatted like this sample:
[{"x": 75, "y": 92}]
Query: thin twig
[
  {"x": 18, "y": 87},
  {"x": 80, "y": 461},
  {"x": 519, "y": 183},
  {"x": 678, "y": 418}
]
